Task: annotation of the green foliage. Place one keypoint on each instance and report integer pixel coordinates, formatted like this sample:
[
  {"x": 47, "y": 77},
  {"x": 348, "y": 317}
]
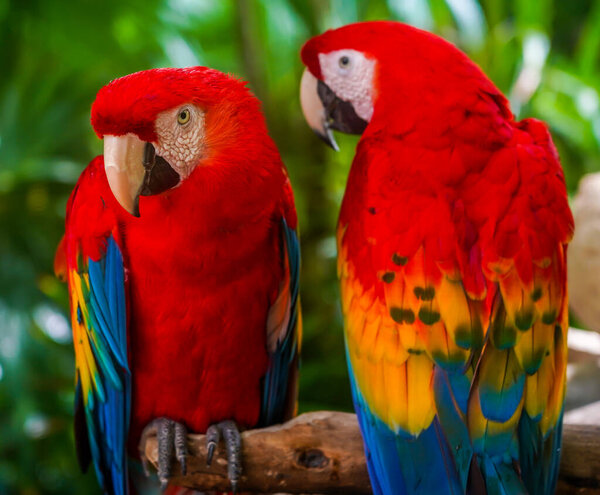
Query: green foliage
[{"x": 57, "y": 54}]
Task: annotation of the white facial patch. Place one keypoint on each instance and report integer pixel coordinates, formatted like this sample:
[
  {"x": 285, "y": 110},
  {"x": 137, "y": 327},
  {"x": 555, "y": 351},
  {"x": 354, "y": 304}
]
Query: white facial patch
[
  {"x": 349, "y": 74},
  {"x": 181, "y": 144}
]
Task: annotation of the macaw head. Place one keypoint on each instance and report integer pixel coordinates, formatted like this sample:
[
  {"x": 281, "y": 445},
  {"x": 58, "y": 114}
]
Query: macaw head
[
  {"x": 364, "y": 71},
  {"x": 160, "y": 125}
]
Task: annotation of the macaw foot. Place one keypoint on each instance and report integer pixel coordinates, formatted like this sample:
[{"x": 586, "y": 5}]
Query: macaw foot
[
  {"x": 233, "y": 447},
  {"x": 171, "y": 443}
]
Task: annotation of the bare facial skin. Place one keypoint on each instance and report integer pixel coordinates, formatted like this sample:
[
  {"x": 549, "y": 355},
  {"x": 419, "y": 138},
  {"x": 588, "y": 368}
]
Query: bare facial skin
[{"x": 349, "y": 74}]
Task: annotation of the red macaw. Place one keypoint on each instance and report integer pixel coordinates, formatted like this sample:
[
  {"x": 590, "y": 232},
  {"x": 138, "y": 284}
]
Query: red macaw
[
  {"x": 451, "y": 254},
  {"x": 182, "y": 262}
]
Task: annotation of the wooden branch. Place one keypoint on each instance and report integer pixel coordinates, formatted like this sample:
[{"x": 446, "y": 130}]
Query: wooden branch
[
  {"x": 321, "y": 452},
  {"x": 580, "y": 459}
]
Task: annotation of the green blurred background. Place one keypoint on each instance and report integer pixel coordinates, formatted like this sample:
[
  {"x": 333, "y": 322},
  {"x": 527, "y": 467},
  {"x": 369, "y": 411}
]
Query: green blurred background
[{"x": 56, "y": 54}]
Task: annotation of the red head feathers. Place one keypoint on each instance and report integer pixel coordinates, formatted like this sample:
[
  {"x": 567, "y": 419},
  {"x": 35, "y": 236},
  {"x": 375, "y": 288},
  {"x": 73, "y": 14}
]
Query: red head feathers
[
  {"x": 132, "y": 103},
  {"x": 387, "y": 72},
  {"x": 173, "y": 121}
]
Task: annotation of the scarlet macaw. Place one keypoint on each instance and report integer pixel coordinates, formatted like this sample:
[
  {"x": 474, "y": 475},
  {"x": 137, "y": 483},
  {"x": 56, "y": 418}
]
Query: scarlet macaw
[
  {"x": 182, "y": 262},
  {"x": 451, "y": 254}
]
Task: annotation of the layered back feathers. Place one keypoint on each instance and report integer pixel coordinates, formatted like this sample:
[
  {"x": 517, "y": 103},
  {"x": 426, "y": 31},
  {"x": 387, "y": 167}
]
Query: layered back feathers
[{"x": 452, "y": 239}]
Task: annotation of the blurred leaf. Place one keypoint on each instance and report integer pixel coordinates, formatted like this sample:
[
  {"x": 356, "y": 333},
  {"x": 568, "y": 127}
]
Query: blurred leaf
[
  {"x": 57, "y": 54},
  {"x": 414, "y": 12}
]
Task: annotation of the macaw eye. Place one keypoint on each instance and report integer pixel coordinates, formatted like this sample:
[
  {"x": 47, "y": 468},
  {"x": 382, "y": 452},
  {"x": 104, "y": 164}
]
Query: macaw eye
[
  {"x": 344, "y": 62},
  {"x": 183, "y": 117}
]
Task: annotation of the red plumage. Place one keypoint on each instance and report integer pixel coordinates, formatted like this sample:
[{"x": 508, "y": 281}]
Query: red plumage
[
  {"x": 204, "y": 262},
  {"x": 451, "y": 249},
  {"x": 449, "y": 130}
]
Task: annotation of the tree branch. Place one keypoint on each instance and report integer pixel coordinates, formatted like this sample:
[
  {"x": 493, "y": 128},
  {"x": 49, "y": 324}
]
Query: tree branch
[{"x": 321, "y": 452}]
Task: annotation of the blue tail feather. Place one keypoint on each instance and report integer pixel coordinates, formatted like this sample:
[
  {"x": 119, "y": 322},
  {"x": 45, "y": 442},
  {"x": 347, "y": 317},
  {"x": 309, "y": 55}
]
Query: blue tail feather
[
  {"x": 501, "y": 477},
  {"x": 401, "y": 464},
  {"x": 451, "y": 402},
  {"x": 539, "y": 455}
]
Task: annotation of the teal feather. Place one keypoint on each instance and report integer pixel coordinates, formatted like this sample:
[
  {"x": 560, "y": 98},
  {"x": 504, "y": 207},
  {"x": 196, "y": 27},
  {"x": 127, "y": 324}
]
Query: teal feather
[
  {"x": 276, "y": 381},
  {"x": 500, "y": 404},
  {"x": 400, "y": 464},
  {"x": 450, "y": 400},
  {"x": 539, "y": 455},
  {"x": 501, "y": 478},
  {"x": 108, "y": 404}
]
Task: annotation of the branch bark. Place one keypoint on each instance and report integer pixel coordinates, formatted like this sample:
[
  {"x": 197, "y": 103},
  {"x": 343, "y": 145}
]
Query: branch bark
[{"x": 321, "y": 452}]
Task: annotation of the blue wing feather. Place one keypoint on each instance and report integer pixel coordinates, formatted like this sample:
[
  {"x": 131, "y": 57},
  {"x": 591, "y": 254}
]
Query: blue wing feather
[
  {"x": 539, "y": 455},
  {"x": 107, "y": 400},
  {"x": 428, "y": 462},
  {"x": 283, "y": 359},
  {"x": 451, "y": 392}
]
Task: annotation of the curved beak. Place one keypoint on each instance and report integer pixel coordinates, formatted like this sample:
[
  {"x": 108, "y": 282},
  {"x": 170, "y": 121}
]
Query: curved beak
[
  {"x": 133, "y": 169},
  {"x": 325, "y": 111},
  {"x": 124, "y": 166},
  {"x": 313, "y": 109}
]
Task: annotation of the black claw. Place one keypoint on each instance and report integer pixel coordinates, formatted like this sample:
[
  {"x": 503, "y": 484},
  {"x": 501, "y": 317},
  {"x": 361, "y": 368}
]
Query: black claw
[
  {"x": 171, "y": 437},
  {"x": 233, "y": 444},
  {"x": 209, "y": 455},
  {"x": 212, "y": 439},
  {"x": 180, "y": 446},
  {"x": 166, "y": 449},
  {"x": 233, "y": 447},
  {"x": 183, "y": 463}
]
